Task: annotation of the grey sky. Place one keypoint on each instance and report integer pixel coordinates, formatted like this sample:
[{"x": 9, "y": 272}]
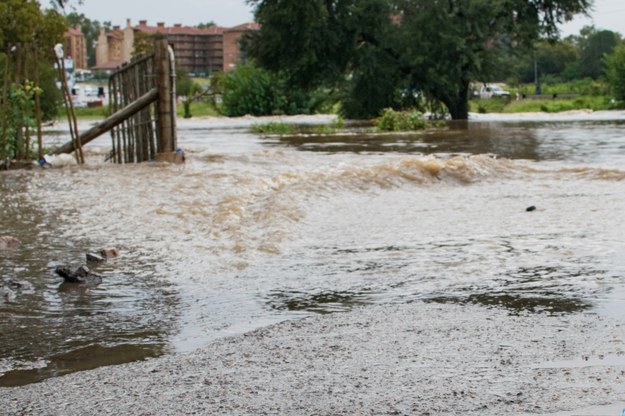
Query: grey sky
[
  {"x": 607, "y": 14},
  {"x": 226, "y": 13}
]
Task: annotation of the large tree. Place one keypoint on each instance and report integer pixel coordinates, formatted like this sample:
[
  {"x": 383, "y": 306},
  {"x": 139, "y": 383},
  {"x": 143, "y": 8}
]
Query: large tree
[
  {"x": 615, "y": 71},
  {"x": 27, "y": 36},
  {"x": 384, "y": 47},
  {"x": 593, "y": 44}
]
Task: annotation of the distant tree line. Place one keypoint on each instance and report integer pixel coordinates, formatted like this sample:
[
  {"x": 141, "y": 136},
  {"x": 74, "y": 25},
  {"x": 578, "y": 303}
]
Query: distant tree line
[{"x": 560, "y": 60}]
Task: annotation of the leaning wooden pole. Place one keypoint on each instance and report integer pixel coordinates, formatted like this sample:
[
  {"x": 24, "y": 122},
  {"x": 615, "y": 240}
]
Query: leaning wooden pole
[
  {"x": 69, "y": 105},
  {"x": 110, "y": 122},
  {"x": 4, "y": 105},
  {"x": 38, "y": 107}
]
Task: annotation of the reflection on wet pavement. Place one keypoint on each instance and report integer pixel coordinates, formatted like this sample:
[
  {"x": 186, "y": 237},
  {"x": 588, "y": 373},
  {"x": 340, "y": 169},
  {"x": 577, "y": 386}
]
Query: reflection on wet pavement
[{"x": 321, "y": 303}]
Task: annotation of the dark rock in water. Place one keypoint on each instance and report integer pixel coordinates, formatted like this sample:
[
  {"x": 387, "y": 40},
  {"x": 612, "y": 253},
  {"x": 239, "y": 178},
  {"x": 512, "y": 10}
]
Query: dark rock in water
[
  {"x": 81, "y": 275},
  {"x": 6, "y": 294},
  {"x": 531, "y": 208},
  {"x": 95, "y": 258}
]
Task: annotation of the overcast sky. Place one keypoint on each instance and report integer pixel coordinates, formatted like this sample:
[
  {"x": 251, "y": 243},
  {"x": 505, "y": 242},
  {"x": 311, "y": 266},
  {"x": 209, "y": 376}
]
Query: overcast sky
[
  {"x": 607, "y": 14},
  {"x": 225, "y": 13}
]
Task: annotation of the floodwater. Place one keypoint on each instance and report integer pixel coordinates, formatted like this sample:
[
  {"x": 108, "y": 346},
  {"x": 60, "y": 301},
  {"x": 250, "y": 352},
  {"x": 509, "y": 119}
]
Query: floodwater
[{"x": 255, "y": 230}]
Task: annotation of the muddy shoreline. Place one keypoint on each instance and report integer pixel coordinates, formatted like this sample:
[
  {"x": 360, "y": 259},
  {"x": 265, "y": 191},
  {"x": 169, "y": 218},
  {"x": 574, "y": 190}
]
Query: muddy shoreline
[{"x": 414, "y": 359}]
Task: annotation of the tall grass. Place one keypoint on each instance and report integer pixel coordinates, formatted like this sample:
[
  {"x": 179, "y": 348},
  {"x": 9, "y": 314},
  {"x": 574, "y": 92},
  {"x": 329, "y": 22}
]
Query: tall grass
[
  {"x": 594, "y": 103},
  {"x": 273, "y": 128},
  {"x": 198, "y": 109},
  {"x": 86, "y": 112}
]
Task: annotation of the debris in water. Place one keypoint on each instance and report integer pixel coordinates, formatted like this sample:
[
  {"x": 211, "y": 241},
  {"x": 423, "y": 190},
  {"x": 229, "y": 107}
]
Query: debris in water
[
  {"x": 109, "y": 252},
  {"x": 531, "y": 208},
  {"x": 8, "y": 242},
  {"x": 95, "y": 258},
  {"x": 81, "y": 275}
]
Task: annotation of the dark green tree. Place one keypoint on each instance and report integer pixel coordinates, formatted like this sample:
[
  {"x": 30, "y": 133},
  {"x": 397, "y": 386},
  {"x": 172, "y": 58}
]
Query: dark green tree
[
  {"x": 555, "y": 59},
  {"x": 310, "y": 42},
  {"x": 593, "y": 44},
  {"x": 615, "y": 71},
  {"x": 250, "y": 90},
  {"x": 206, "y": 25},
  {"x": 374, "y": 49},
  {"x": 27, "y": 37}
]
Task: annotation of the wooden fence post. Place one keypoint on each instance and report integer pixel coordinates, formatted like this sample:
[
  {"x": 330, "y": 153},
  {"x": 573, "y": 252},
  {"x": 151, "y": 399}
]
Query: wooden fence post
[{"x": 166, "y": 128}]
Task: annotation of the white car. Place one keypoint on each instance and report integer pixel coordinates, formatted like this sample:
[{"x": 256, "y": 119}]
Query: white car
[{"x": 493, "y": 91}]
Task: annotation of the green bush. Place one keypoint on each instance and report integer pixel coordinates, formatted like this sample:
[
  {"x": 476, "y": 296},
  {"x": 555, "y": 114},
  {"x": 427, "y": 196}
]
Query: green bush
[
  {"x": 392, "y": 120},
  {"x": 615, "y": 71},
  {"x": 251, "y": 90}
]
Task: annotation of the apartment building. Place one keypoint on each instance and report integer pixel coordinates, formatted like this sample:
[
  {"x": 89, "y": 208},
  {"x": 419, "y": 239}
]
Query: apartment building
[
  {"x": 114, "y": 47},
  {"x": 200, "y": 52},
  {"x": 232, "y": 54},
  {"x": 76, "y": 47}
]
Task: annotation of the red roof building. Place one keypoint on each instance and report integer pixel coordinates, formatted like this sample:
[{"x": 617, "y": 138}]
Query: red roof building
[
  {"x": 198, "y": 51},
  {"x": 232, "y": 45}
]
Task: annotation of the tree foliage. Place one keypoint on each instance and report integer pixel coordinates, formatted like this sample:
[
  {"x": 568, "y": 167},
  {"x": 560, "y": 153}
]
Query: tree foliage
[
  {"x": 143, "y": 44},
  {"x": 376, "y": 50},
  {"x": 206, "y": 25},
  {"x": 250, "y": 90},
  {"x": 27, "y": 37},
  {"x": 615, "y": 71},
  {"x": 593, "y": 45}
]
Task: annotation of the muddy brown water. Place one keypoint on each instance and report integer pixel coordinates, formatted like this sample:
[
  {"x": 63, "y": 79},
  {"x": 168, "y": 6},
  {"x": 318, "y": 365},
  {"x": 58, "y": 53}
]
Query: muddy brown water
[{"x": 255, "y": 230}]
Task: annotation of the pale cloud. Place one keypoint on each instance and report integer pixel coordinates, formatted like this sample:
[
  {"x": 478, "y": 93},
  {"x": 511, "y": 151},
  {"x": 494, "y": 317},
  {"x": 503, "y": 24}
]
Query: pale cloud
[
  {"x": 606, "y": 14},
  {"x": 187, "y": 12}
]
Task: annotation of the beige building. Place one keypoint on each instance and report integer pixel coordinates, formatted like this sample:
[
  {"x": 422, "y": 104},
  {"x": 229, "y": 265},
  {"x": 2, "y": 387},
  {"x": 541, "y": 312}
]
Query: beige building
[
  {"x": 115, "y": 47},
  {"x": 76, "y": 47},
  {"x": 198, "y": 51}
]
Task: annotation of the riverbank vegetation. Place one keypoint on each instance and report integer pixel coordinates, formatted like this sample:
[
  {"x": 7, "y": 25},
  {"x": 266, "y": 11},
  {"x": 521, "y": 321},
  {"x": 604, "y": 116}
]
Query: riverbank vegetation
[
  {"x": 281, "y": 128},
  {"x": 28, "y": 94},
  {"x": 385, "y": 72},
  {"x": 546, "y": 105},
  {"x": 377, "y": 54},
  {"x": 359, "y": 58}
]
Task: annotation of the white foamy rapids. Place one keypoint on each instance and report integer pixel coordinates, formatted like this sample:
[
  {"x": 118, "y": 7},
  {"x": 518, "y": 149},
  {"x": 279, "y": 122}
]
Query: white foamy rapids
[{"x": 234, "y": 211}]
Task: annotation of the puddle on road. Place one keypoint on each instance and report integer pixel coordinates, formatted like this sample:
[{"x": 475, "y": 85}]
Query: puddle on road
[{"x": 520, "y": 303}]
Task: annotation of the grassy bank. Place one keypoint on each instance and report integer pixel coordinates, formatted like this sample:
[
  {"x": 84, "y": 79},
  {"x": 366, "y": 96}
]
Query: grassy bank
[
  {"x": 198, "y": 109},
  {"x": 554, "y": 105},
  {"x": 594, "y": 103}
]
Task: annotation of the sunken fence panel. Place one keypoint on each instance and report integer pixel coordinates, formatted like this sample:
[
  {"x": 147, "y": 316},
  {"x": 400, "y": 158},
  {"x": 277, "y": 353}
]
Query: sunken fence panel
[
  {"x": 134, "y": 140},
  {"x": 142, "y": 100}
]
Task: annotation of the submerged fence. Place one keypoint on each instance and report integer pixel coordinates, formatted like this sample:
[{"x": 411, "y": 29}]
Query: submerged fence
[
  {"x": 134, "y": 139},
  {"x": 142, "y": 103}
]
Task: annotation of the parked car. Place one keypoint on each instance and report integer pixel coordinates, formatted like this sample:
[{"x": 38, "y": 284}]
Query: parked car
[
  {"x": 493, "y": 91},
  {"x": 90, "y": 91}
]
